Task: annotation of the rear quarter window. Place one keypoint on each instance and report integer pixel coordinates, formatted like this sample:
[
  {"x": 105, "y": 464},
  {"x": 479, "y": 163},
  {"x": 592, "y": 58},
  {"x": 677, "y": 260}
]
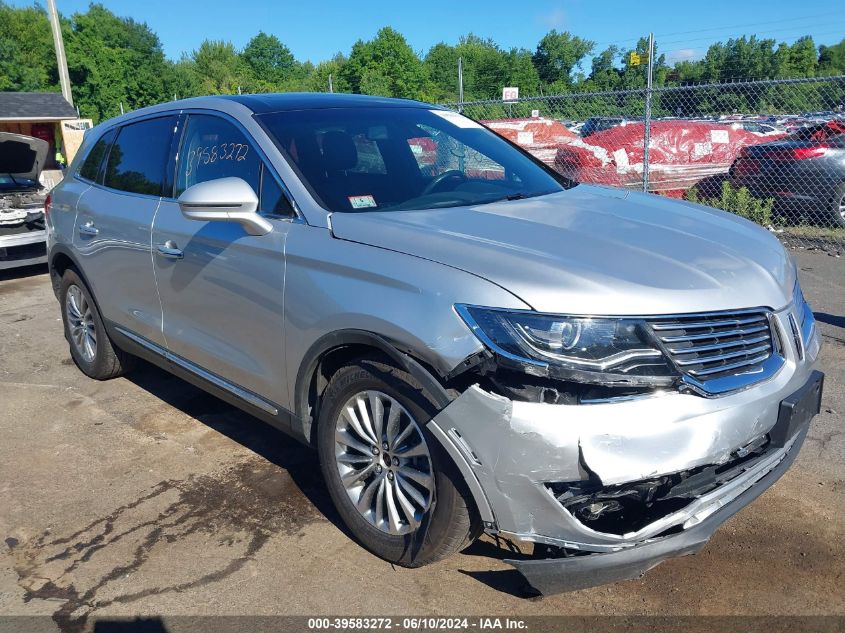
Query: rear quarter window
[{"x": 90, "y": 168}]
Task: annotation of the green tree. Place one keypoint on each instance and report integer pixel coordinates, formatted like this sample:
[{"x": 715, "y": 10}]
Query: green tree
[
  {"x": 27, "y": 59},
  {"x": 318, "y": 79},
  {"x": 386, "y": 65},
  {"x": 485, "y": 66},
  {"x": 441, "y": 63},
  {"x": 605, "y": 74},
  {"x": 113, "y": 60},
  {"x": 271, "y": 62},
  {"x": 218, "y": 68},
  {"x": 558, "y": 54},
  {"x": 832, "y": 59}
]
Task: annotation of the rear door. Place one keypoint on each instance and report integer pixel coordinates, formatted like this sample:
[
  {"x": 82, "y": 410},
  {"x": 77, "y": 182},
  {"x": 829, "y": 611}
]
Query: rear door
[
  {"x": 114, "y": 224},
  {"x": 221, "y": 289}
]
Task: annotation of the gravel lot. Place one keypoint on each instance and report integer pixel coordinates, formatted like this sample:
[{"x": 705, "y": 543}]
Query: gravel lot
[{"x": 145, "y": 496}]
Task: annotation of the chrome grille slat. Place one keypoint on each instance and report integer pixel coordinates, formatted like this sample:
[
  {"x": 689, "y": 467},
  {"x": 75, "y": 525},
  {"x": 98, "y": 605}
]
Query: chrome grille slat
[
  {"x": 714, "y": 346},
  {"x": 723, "y": 368},
  {"x": 725, "y": 334},
  {"x": 720, "y": 345},
  {"x": 703, "y": 360},
  {"x": 686, "y": 325}
]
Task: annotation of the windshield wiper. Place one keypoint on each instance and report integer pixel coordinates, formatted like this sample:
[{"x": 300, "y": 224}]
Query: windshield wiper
[{"x": 519, "y": 195}]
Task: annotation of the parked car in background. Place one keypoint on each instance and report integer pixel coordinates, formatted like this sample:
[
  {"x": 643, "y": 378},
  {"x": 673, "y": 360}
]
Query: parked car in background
[
  {"x": 601, "y": 123},
  {"x": 756, "y": 127},
  {"x": 804, "y": 172},
  {"x": 22, "y": 199},
  {"x": 468, "y": 345}
]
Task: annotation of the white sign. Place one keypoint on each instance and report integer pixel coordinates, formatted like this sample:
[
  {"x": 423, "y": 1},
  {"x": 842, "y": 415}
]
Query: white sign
[
  {"x": 719, "y": 136},
  {"x": 524, "y": 138},
  {"x": 535, "y": 114},
  {"x": 510, "y": 94}
]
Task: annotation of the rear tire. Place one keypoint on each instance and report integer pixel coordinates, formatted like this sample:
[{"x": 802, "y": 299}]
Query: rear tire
[
  {"x": 435, "y": 530},
  {"x": 90, "y": 346}
]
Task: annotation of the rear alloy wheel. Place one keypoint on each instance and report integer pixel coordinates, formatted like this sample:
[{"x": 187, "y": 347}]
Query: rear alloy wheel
[
  {"x": 392, "y": 483},
  {"x": 90, "y": 346},
  {"x": 80, "y": 320}
]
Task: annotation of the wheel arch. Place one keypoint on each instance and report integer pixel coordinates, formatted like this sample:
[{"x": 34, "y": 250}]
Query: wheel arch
[
  {"x": 59, "y": 261},
  {"x": 331, "y": 351},
  {"x": 339, "y": 347}
]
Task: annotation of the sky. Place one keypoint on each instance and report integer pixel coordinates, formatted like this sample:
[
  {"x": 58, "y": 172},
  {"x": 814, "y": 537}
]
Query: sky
[{"x": 318, "y": 29}]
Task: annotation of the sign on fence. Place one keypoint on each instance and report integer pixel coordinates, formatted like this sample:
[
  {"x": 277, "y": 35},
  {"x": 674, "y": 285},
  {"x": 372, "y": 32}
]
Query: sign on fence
[{"x": 510, "y": 93}]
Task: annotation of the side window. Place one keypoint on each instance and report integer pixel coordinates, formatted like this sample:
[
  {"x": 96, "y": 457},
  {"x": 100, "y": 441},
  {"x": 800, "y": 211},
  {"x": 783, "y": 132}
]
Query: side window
[
  {"x": 138, "y": 157},
  {"x": 91, "y": 166},
  {"x": 214, "y": 148},
  {"x": 273, "y": 200}
]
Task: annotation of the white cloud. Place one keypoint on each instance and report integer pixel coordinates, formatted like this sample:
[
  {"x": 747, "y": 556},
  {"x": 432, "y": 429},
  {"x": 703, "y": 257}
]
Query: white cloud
[
  {"x": 553, "y": 19},
  {"x": 682, "y": 55}
]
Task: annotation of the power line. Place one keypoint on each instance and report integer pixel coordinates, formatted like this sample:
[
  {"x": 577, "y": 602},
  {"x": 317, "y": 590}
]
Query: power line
[
  {"x": 791, "y": 21},
  {"x": 760, "y": 36},
  {"x": 797, "y": 34},
  {"x": 742, "y": 26}
]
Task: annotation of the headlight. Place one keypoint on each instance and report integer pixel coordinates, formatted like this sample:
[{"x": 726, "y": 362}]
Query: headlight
[{"x": 575, "y": 348}]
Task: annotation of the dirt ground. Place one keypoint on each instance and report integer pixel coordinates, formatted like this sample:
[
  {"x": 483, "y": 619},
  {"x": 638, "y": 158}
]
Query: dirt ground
[{"x": 143, "y": 495}]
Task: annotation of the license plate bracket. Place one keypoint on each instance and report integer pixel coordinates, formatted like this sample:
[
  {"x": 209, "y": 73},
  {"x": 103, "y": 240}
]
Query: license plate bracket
[{"x": 797, "y": 410}]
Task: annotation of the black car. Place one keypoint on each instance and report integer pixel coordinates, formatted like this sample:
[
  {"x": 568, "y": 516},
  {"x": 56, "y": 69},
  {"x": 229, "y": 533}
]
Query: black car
[
  {"x": 601, "y": 123},
  {"x": 804, "y": 172}
]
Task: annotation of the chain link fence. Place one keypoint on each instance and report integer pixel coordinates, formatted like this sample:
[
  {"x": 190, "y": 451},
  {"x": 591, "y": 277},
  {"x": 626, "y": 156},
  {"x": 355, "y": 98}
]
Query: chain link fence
[{"x": 771, "y": 151}]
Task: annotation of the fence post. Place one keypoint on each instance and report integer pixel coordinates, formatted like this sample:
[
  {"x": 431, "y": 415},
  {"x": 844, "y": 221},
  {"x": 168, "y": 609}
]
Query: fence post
[{"x": 648, "y": 90}]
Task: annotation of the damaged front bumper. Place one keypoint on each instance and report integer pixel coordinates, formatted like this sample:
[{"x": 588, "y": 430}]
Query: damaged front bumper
[
  {"x": 702, "y": 458},
  {"x": 557, "y": 575}
]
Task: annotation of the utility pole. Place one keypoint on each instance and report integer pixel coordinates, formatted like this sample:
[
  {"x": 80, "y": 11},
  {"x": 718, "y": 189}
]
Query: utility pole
[
  {"x": 648, "y": 91},
  {"x": 61, "y": 60},
  {"x": 331, "y": 86},
  {"x": 460, "y": 84}
]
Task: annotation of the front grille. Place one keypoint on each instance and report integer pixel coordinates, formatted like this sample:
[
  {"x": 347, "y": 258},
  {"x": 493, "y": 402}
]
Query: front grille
[{"x": 711, "y": 346}]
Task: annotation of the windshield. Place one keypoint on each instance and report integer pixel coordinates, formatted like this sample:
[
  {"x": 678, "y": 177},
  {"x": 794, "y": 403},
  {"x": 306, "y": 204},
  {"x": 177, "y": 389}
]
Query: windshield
[{"x": 377, "y": 159}]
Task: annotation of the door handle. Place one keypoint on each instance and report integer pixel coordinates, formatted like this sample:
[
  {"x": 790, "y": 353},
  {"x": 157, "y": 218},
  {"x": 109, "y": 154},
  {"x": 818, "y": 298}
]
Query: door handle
[
  {"x": 88, "y": 228},
  {"x": 169, "y": 250}
]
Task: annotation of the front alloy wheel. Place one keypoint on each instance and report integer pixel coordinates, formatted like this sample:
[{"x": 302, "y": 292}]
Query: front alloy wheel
[
  {"x": 383, "y": 462},
  {"x": 394, "y": 486}
]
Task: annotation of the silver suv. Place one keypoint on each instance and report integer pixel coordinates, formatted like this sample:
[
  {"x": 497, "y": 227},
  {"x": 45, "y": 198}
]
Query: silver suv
[{"x": 469, "y": 345}]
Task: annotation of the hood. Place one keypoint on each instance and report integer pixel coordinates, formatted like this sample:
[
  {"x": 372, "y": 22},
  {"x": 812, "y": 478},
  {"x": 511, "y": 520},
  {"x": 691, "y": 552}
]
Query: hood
[
  {"x": 22, "y": 157},
  {"x": 593, "y": 250}
]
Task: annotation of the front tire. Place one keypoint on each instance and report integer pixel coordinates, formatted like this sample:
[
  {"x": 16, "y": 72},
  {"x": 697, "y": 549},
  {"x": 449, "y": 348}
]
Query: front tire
[
  {"x": 90, "y": 346},
  {"x": 393, "y": 486}
]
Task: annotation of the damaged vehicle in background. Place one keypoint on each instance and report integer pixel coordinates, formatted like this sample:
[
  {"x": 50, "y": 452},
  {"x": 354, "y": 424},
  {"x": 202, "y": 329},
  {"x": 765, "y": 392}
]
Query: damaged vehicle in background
[
  {"x": 470, "y": 345},
  {"x": 22, "y": 198}
]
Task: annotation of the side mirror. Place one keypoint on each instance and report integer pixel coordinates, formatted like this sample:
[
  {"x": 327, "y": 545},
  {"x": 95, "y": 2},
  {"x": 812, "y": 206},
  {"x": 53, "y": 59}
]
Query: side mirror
[{"x": 224, "y": 200}]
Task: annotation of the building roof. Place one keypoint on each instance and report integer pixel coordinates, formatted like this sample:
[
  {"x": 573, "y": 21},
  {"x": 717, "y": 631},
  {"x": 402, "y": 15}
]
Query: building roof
[{"x": 45, "y": 106}]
